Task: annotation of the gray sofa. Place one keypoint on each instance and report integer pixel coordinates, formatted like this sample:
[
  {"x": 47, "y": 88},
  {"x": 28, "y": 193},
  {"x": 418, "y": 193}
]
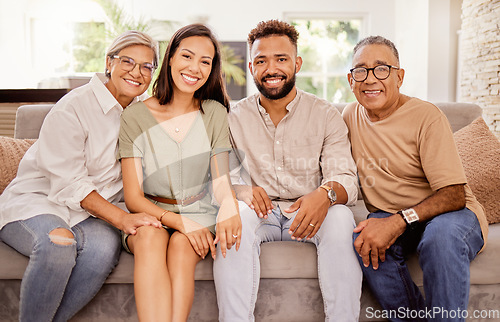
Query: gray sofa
[{"x": 289, "y": 289}]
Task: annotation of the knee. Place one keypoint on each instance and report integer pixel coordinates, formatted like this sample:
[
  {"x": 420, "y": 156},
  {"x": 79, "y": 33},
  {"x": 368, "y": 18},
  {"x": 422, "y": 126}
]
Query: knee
[
  {"x": 341, "y": 214},
  {"x": 249, "y": 219},
  {"x": 62, "y": 236},
  {"x": 150, "y": 238},
  {"x": 100, "y": 238},
  {"x": 339, "y": 220},
  {"x": 179, "y": 243},
  {"x": 58, "y": 250}
]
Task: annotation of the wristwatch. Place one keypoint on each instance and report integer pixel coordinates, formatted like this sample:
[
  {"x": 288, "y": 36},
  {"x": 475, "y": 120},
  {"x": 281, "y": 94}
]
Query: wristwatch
[
  {"x": 410, "y": 216},
  {"x": 330, "y": 193}
]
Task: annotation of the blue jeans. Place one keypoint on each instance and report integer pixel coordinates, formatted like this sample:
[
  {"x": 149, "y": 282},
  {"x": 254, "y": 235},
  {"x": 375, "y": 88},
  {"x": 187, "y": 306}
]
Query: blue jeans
[
  {"x": 446, "y": 245},
  {"x": 237, "y": 276},
  {"x": 61, "y": 279}
]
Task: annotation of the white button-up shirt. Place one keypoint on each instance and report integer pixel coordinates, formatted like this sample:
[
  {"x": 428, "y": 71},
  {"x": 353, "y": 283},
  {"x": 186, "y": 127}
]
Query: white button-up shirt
[{"x": 74, "y": 155}]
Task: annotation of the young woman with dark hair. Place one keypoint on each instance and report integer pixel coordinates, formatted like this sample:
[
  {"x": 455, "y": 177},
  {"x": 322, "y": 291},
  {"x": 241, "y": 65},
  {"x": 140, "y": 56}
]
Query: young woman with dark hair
[{"x": 174, "y": 152}]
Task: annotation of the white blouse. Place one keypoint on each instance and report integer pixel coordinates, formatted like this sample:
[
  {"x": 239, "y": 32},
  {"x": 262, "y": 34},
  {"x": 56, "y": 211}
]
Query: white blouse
[{"x": 74, "y": 155}]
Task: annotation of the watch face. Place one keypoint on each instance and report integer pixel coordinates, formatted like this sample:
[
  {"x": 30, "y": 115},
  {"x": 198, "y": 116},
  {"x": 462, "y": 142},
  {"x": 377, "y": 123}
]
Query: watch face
[
  {"x": 332, "y": 195},
  {"x": 410, "y": 215}
]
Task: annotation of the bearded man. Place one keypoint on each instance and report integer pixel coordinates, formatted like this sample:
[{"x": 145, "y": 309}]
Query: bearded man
[{"x": 295, "y": 170}]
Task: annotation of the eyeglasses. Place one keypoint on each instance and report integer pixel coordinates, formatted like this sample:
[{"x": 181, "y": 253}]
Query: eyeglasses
[
  {"x": 128, "y": 64},
  {"x": 381, "y": 72}
]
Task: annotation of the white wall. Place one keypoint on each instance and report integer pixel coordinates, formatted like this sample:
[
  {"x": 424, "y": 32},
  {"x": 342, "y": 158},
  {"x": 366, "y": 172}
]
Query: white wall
[
  {"x": 412, "y": 42},
  {"x": 13, "y": 51},
  {"x": 232, "y": 20},
  {"x": 414, "y": 25},
  {"x": 444, "y": 22},
  {"x": 16, "y": 50}
]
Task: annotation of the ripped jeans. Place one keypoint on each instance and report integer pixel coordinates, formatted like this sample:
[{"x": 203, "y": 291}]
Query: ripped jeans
[{"x": 63, "y": 274}]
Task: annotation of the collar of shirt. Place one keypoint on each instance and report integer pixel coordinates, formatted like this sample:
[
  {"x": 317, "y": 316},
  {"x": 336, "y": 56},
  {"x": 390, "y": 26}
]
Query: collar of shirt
[
  {"x": 106, "y": 100},
  {"x": 290, "y": 107}
]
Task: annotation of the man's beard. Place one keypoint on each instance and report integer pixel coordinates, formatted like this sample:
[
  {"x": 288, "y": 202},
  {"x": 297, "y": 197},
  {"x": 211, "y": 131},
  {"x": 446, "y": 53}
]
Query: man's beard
[{"x": 275, "y": 93}]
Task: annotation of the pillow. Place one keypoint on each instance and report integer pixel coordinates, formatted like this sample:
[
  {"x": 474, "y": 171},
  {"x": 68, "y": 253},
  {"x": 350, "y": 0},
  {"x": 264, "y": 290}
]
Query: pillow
[
  {"x": 479, "y": 150},
  {"x": 11, "y": 153}
]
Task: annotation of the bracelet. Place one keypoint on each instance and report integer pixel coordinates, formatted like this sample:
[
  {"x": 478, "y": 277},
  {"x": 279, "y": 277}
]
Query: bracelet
[{"x": 163, "y": 214}]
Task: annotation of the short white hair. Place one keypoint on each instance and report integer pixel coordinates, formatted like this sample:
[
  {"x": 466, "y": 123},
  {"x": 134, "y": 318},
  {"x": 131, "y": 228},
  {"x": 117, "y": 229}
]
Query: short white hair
[{"x": 132, "y": 38}]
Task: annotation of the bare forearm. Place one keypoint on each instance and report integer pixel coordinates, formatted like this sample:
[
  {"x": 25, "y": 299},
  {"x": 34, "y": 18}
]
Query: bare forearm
[
  {"x": 134, "y": 195},
  {"x": 95, "y": 204},
  {"x": 221, "y": 182},
  {"x": 138, "y": 204},
  {"x": 339, "y": 191},
  {"x": 446, "y": 199},
  {"x": 222, "y": 189}
]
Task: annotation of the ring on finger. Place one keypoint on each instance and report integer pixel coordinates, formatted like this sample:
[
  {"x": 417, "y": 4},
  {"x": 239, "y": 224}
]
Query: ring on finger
[
  {"x": 235, "y": 236},
  {"x": 312, "y": 225}
]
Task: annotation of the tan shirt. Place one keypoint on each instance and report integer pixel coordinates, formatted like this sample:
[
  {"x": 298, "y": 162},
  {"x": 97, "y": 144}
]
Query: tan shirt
[
  {"x": 308, "y": 147},
  {"x": 406, "y": 157}
]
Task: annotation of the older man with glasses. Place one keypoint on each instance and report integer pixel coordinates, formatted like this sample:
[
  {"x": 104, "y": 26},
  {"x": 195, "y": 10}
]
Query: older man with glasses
[{"x": 414, "y": 186}]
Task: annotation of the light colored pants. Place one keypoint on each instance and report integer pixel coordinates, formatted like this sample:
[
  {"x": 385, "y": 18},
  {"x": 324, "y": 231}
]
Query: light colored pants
[
  {"x": 61, "y": 279},
  {"x": 237, "y": 276}
]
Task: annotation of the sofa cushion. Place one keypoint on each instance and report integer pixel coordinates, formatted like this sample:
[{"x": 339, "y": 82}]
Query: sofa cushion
[
  {"x": 11, "y": 153},
  {"x": 479, "y": 150}
]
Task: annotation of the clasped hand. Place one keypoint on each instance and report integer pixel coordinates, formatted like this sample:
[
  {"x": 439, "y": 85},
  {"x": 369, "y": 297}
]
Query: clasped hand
[
  {"x": 376, "y": 236},
  {"x": 132, "y": 221},
  {"x": 228, "y": 226},
  {"x": 256, "y": 198},
  {"x": 200, "y": 237},
  {"x": 228, "y": 232},
  {"x": 312, "y": 209}
]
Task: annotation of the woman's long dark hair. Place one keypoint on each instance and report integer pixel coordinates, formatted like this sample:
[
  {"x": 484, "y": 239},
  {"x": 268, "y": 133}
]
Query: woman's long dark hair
[{"x": 214, "y": 88}]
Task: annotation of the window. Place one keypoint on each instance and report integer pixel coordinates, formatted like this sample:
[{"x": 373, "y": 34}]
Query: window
[
  {"x": 65, "y": 55},
  {"x": 325, "y": 45}
]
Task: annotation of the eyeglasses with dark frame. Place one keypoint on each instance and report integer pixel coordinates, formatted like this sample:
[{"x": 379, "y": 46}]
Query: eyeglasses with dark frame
[
  {"x": 381, "y": 72},
  {"x": 128, "y": 64}
]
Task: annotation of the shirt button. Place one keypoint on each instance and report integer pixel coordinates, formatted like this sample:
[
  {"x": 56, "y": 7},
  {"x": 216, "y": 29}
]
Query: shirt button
[
  {"x": 283, "y": 191},
  {"x": 279, "y": 168},
  {"x": 277, "y": 142}
]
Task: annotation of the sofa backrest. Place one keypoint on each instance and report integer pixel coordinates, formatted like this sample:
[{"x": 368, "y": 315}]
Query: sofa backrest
[
  {"x": 458, "y": 114},
  {"x": 29, "y": 118}
]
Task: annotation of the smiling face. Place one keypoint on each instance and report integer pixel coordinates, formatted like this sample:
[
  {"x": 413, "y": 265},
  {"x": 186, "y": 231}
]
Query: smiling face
[
  {"x": 379, "y": 97},
  {"x": 125, "y": 85},
  {"x": 273, "y": 64},
  {"x": 191, "y": 64}
]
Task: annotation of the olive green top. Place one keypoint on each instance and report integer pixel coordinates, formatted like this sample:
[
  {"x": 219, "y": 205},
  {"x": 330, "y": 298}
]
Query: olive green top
[{"x": 176, "y": 170}]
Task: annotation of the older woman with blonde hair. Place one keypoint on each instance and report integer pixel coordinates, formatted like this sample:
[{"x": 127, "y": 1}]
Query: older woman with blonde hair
[{"x": 60, "y": 209}]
